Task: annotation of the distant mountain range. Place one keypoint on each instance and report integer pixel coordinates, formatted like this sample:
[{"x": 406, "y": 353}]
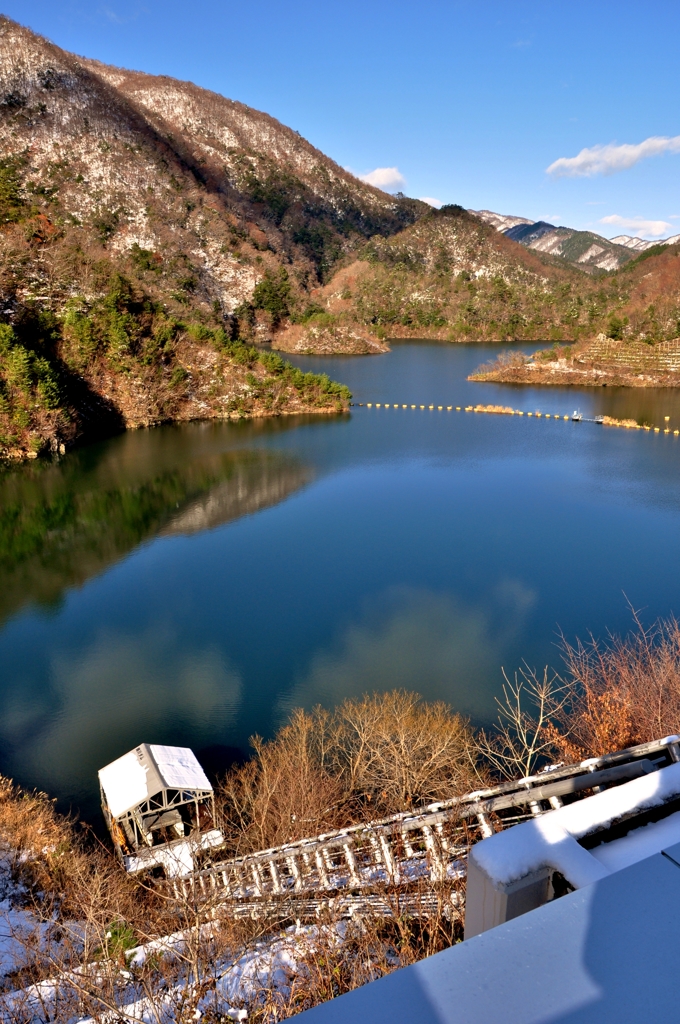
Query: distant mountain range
[
  {"x": 584, "y": 249},
  {"x": 640, "y": 244}
]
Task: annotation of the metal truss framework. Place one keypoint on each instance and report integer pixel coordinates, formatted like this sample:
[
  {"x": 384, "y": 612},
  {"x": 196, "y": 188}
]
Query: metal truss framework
[{"x": 407, "y": 851}]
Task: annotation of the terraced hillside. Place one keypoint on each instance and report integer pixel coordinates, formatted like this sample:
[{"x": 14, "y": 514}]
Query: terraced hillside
[{"x": 640, "y": 346}]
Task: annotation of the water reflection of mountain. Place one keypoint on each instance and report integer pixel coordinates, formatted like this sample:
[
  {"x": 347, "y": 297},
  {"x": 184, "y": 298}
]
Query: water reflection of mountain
[
  {"x": 257, "y": 480},
  {"x": 62, "y": 524}
]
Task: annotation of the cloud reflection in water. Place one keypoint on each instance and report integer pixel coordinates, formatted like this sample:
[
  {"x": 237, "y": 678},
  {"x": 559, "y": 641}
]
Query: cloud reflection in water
[
  {"x": 418, "y": 639},
  {"x": 120, "y": 691}
]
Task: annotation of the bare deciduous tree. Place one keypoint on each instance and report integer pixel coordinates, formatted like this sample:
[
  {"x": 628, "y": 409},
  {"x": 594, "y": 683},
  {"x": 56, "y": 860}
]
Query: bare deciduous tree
[
  {"x": 401, "y": 749},
  {"x": 525, "y": 733},
  {"x": 623, "y": 690},
  {"x": 373, "y": 755}
]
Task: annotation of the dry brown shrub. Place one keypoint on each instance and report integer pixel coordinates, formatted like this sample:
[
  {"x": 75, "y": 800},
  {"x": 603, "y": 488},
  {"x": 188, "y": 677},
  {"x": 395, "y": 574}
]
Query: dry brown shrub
[
  {"x": 87, "y": 913},
  {"x": 624, "y": 690},
  {"x": 345, "y": 954},
  {"x": 525, "y": 734},
  {"x": 508, "y": 360},
  {"x": 324, "y": 770},
  {"x": 287, "y": 790},
  {"x": 614, "y": 694},
  {"x": 399, "y": 750}
]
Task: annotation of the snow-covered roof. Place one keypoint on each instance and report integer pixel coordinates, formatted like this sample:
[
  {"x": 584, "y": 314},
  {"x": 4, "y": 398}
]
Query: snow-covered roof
[
  {"x": 146, "y": 771},
  {"x": 551, "y": 840}
]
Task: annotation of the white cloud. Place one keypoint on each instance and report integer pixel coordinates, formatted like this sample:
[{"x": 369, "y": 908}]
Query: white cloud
[
  {"x": 437, "y": 203},
  {"x": 389, "y": 179},
  {"x": 638, "y": 225},
  {"x": 612, "y": 158}
]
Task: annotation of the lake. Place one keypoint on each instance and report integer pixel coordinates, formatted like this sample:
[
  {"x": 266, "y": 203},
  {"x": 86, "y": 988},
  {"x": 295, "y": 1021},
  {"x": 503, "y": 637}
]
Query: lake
[{"x": 192, "y": 584}]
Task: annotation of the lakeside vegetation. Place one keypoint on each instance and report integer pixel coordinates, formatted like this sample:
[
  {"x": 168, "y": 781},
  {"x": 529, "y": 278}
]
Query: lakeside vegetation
[
  {"x": 54, "y": 368},
  {"x": 323, "y": 770}
]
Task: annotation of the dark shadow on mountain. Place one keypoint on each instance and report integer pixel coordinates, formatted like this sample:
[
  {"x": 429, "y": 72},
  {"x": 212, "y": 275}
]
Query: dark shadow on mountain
[{"x": 97, "y": 416}]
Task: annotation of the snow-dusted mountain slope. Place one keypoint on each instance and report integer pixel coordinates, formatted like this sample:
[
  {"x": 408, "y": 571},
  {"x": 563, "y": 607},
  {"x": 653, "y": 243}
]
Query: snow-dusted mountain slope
[
  {"x": 582, "y": 248},
  {"x": 641, "y": 244}
]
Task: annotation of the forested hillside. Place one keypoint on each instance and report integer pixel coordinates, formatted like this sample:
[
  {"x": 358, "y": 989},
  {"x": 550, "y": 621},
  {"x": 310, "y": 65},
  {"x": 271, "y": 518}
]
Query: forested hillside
[
  {"x": 452, "y": 276},
  {"x": 151, "y": 232}
]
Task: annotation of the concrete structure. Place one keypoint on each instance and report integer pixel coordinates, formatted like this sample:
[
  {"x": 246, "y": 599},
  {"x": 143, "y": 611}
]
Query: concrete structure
[
  {"x": 571, "y": 918},
  {"x": 523, "y": 867},
  {"x": 605, "y": 954}
]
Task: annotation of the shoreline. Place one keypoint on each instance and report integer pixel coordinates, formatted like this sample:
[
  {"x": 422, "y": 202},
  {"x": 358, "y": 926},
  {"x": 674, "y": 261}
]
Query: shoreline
[
  {"x": 554, "y": 376},
  {"x": 11, "y": 459},
  {"x": 602, "y": 362}
]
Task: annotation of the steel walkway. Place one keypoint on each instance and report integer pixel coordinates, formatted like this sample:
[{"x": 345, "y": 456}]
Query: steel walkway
[{"x": 407, "y": 854}]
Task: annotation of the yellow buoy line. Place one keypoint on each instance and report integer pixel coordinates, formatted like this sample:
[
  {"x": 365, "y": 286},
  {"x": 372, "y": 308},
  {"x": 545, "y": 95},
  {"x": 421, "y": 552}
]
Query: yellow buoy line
[{"x": 506, "y": 410}]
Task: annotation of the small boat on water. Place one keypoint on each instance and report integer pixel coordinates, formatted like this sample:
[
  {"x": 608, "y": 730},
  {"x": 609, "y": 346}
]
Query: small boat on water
[
  {"x": 576, "y": 415},
  {"x": 599, "y": 419}
]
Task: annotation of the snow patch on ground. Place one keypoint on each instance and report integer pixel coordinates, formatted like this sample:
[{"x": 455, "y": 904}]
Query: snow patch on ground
[{"x": 263, "y": 973}]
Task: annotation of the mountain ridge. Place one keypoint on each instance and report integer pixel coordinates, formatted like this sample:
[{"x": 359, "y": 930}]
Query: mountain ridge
[
  {"x": 642, "y": 244},
  {"x": 585, "y": 248},
  {"x": 151, "y": 232},
  {"x": 146, "y": 241}
]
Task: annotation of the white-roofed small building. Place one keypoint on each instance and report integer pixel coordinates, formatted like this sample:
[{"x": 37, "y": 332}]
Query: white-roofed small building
[{"x": 159, "y": 807}]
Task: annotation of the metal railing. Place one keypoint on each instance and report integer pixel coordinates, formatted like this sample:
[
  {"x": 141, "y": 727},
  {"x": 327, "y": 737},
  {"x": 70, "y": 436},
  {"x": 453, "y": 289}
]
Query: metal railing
[{"x": 428, "y": 845}]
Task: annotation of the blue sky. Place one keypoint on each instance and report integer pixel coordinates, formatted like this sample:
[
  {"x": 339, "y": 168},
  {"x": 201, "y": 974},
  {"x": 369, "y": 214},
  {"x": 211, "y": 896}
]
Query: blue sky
[{"x": 470, "y": 102}]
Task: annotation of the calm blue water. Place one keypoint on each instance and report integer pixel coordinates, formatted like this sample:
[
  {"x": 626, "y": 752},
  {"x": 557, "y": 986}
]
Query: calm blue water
[{"x": 193, "y": 584}]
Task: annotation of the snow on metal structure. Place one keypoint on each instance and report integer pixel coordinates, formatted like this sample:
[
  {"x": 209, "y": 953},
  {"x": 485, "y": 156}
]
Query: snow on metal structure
[
  {"x": 160, "y": 809},
  {"x": 573, "y": 846},
  {"x": 407, "y": 851}
]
